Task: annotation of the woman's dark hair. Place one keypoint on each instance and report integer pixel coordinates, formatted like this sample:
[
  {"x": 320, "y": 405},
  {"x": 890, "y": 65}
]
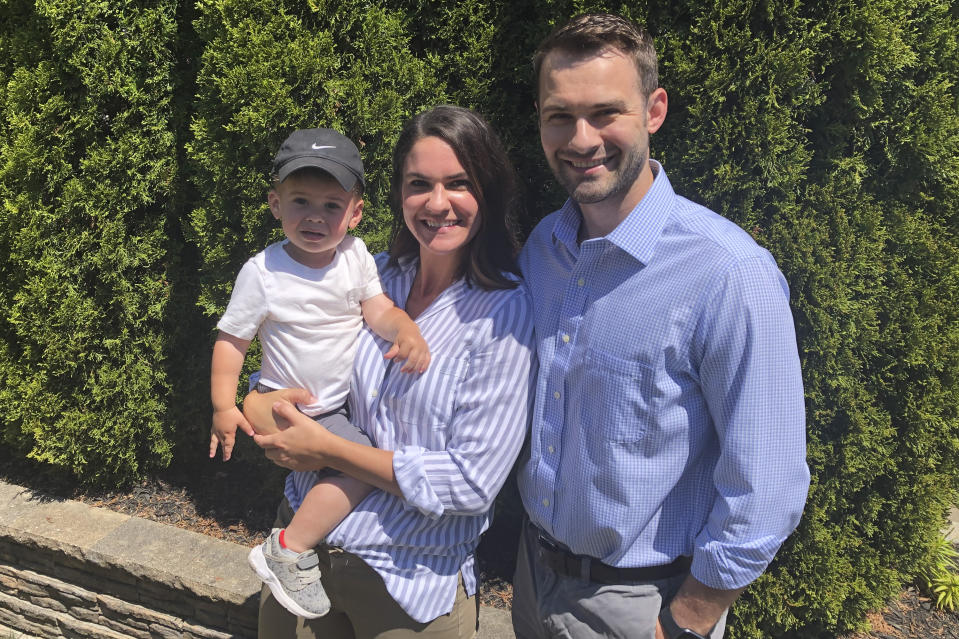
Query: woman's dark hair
[{"x": 492, "y": 252}]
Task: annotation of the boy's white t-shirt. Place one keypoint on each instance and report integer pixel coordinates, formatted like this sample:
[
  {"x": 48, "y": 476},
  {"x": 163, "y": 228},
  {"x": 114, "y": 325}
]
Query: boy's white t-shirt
[{"x": 307, "y": 319}]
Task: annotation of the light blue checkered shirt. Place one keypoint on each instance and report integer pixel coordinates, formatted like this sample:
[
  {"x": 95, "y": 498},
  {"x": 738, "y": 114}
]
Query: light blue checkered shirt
[
  {"x": 669, "y": 416},
  {"x": 456, "y": 431}
]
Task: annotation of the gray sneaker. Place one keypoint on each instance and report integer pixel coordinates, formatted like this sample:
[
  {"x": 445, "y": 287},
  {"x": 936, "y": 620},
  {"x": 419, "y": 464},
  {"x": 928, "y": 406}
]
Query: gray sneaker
[{"x": 293, "y": 580}]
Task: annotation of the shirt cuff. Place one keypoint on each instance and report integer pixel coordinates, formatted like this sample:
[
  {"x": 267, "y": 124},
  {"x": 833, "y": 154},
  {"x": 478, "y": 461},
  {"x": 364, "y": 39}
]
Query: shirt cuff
[
  {"x": 414, "y": 484},
  {"x": 725, "y": 567}
]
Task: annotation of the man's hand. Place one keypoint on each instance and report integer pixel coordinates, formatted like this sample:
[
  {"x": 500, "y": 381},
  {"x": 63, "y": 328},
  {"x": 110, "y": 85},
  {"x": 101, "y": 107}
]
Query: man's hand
[
  {"x": 698, "y": 607},
  {"x": 411, "y": 348},
  {"x": 223, "y": 432}
]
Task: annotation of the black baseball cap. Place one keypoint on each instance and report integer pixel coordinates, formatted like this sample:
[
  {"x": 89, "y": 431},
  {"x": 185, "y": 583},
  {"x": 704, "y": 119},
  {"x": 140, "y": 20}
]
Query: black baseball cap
[{"x": 323, "y": 149}]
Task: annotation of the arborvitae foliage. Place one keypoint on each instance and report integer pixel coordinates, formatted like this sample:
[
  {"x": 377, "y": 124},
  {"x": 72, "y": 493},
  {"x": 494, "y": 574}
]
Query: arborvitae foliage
[
  {"x": 827, "y": 131},
  {"x": 271, "y": 67},
  {"x": 86, "y": 165},
  {"x": 266, "y": 69},
  {"x": 830, "y": 135}
]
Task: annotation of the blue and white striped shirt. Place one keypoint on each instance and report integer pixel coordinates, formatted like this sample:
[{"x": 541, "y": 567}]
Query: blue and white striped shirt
[
  {"x": 669, "y": 417},
  {"x": 456, "y": 431}
]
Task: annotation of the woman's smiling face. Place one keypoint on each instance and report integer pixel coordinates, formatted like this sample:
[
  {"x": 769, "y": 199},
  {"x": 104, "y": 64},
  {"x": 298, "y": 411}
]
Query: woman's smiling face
[{"x": 439, "y": 202}]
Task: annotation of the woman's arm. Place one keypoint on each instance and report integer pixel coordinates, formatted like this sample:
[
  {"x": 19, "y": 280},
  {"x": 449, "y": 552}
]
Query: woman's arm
[
  {"x": 303, "y": 444},
  {"x": 484, "y": 434},
  {"x": 488, "y": 426}
]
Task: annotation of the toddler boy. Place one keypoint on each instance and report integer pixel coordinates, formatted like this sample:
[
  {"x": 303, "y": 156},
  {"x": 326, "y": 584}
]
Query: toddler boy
[{"x": 306, "y": 299}]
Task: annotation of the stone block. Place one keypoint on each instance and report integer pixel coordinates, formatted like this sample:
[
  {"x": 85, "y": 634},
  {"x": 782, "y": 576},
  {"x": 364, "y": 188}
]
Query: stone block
[
  {"x": 49, "y": 603},
  {"x": 27, "y": 559},
  {"x": 183, "y": 559},
  {"x": 163, "y": 599},
  {"x": 162, "y": 632},
  {"x": 21, "y": 625},
  {"x": 201, "y": 632},
  {"x": 77, "y": 629},
  {"x": 15, "y": 501},
  {"x": 212, "y": 609},
  {"x": 9, "y": 584},
  {"x": 68, "y": 524},
  {"x": 29, "y": 588},
  {"x": 128, "y": 627},
  {"x": 39, "y": 614},
  {"x": 84, "y": 614},
  {"x": 62, "y": 589},
  {"x": 145, "y": 617}
]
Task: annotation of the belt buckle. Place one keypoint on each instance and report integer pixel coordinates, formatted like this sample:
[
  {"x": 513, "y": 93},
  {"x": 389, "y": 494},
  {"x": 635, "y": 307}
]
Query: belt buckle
[
  {"x": 546, "y": 542},
  {"x": 569, "y": 563}
]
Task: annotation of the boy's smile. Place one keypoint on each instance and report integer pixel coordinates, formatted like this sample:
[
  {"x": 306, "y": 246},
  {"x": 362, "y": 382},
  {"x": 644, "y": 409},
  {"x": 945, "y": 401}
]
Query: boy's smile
[{"x": 315, "y": 213}]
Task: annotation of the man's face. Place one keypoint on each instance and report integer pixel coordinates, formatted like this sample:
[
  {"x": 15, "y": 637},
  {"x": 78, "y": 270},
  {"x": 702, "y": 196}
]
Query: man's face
[{"x": 593, "y": 123}]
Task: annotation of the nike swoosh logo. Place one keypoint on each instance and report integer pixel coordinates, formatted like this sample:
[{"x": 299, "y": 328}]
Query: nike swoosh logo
[{"x": 323, "y": 147}]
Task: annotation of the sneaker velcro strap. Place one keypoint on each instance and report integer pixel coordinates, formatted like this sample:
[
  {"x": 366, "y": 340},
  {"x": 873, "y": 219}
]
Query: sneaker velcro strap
[{"x": 308, "y": 561}]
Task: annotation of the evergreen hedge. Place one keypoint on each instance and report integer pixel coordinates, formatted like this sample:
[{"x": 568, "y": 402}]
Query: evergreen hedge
[
  {"x": 136, "y": 137},
  {"x": 87, "y": 166}
]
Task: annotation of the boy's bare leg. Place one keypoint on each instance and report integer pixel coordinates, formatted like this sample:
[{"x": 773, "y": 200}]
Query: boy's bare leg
[
  {"x": 325, "y": 506},
  {"x": 258, "y": 407},
  {"x": 258, "y": 410},
  {"x": 286, "y": 561}
]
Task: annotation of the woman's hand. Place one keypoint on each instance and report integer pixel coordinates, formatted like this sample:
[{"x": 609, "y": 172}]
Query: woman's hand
[
  {"x": 299, "y": 443},
  {"x": 302, "y": 444},
  {"x": 258, "y": 407}
]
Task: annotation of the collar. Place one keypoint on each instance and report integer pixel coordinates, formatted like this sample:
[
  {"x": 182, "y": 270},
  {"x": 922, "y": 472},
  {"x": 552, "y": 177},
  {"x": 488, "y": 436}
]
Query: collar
[{"x": 638, "y": 234}]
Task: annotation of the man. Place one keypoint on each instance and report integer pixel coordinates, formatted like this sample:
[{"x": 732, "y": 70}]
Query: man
[{"x": 667, "y": 453}]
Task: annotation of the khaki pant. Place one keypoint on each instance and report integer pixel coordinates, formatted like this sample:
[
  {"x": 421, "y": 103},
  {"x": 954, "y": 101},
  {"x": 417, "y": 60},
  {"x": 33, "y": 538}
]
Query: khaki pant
[
  {"x": 547, "y": 605},
  {"x": 362, "y": 607}
]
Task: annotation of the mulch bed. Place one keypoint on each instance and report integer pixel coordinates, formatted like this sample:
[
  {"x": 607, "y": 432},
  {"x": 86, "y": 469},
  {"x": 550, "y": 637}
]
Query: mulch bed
[
  {"x": 911, "y": 616},
  {"x": 236, "y": 501}
]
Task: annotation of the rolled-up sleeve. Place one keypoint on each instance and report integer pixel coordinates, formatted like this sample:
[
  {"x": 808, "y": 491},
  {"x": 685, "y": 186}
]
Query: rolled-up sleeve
[
  {"x": 488, "y": 424},
  {"x": 752, "y": 384}
]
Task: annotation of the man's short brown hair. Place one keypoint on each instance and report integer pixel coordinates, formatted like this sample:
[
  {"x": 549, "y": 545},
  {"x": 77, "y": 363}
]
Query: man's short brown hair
[{"x": 591, "y": 33}]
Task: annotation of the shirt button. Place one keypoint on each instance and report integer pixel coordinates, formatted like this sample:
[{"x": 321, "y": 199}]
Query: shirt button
[
  {"x": 551, "y": 449},
  {"x": 580, "y": 282},
  {"x": 556, "y": 394},
  {"x": 374, "y": 393},
  {"x": 546, "y": 503},
  {"x": 566, "y": 339}
]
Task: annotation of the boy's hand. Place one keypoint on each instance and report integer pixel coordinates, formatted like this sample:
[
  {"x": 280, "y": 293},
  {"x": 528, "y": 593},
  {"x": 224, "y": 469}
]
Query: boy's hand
[
  {"x": 411, "y": 348},
  {"x": 223, "y": 433}
]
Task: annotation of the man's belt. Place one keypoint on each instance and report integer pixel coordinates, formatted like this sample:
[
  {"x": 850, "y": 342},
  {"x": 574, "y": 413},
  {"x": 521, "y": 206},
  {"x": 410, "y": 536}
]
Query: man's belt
[{"x": 566, "y": 563}]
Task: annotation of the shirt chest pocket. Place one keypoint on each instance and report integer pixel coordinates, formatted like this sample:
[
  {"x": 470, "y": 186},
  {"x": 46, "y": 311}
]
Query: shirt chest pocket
[
  {"x": 618, "y": 397},
  {"x": 424, "y": 404}
]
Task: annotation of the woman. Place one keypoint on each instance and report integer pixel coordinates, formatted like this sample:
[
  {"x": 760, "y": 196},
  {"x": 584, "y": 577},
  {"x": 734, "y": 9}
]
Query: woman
[{"x": 403, "y": 561}]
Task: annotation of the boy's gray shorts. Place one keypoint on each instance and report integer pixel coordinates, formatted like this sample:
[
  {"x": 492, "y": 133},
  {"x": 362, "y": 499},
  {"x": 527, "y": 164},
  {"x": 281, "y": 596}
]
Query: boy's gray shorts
[{"x": 336, "y": 421}]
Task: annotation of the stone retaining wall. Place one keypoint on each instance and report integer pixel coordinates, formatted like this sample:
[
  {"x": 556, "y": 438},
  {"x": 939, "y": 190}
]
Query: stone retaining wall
[{"x": 68, "y": 570}]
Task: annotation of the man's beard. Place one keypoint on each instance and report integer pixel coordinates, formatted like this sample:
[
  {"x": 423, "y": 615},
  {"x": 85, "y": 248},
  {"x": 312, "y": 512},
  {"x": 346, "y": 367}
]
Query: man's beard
[{"x": 586, "y": 191}]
